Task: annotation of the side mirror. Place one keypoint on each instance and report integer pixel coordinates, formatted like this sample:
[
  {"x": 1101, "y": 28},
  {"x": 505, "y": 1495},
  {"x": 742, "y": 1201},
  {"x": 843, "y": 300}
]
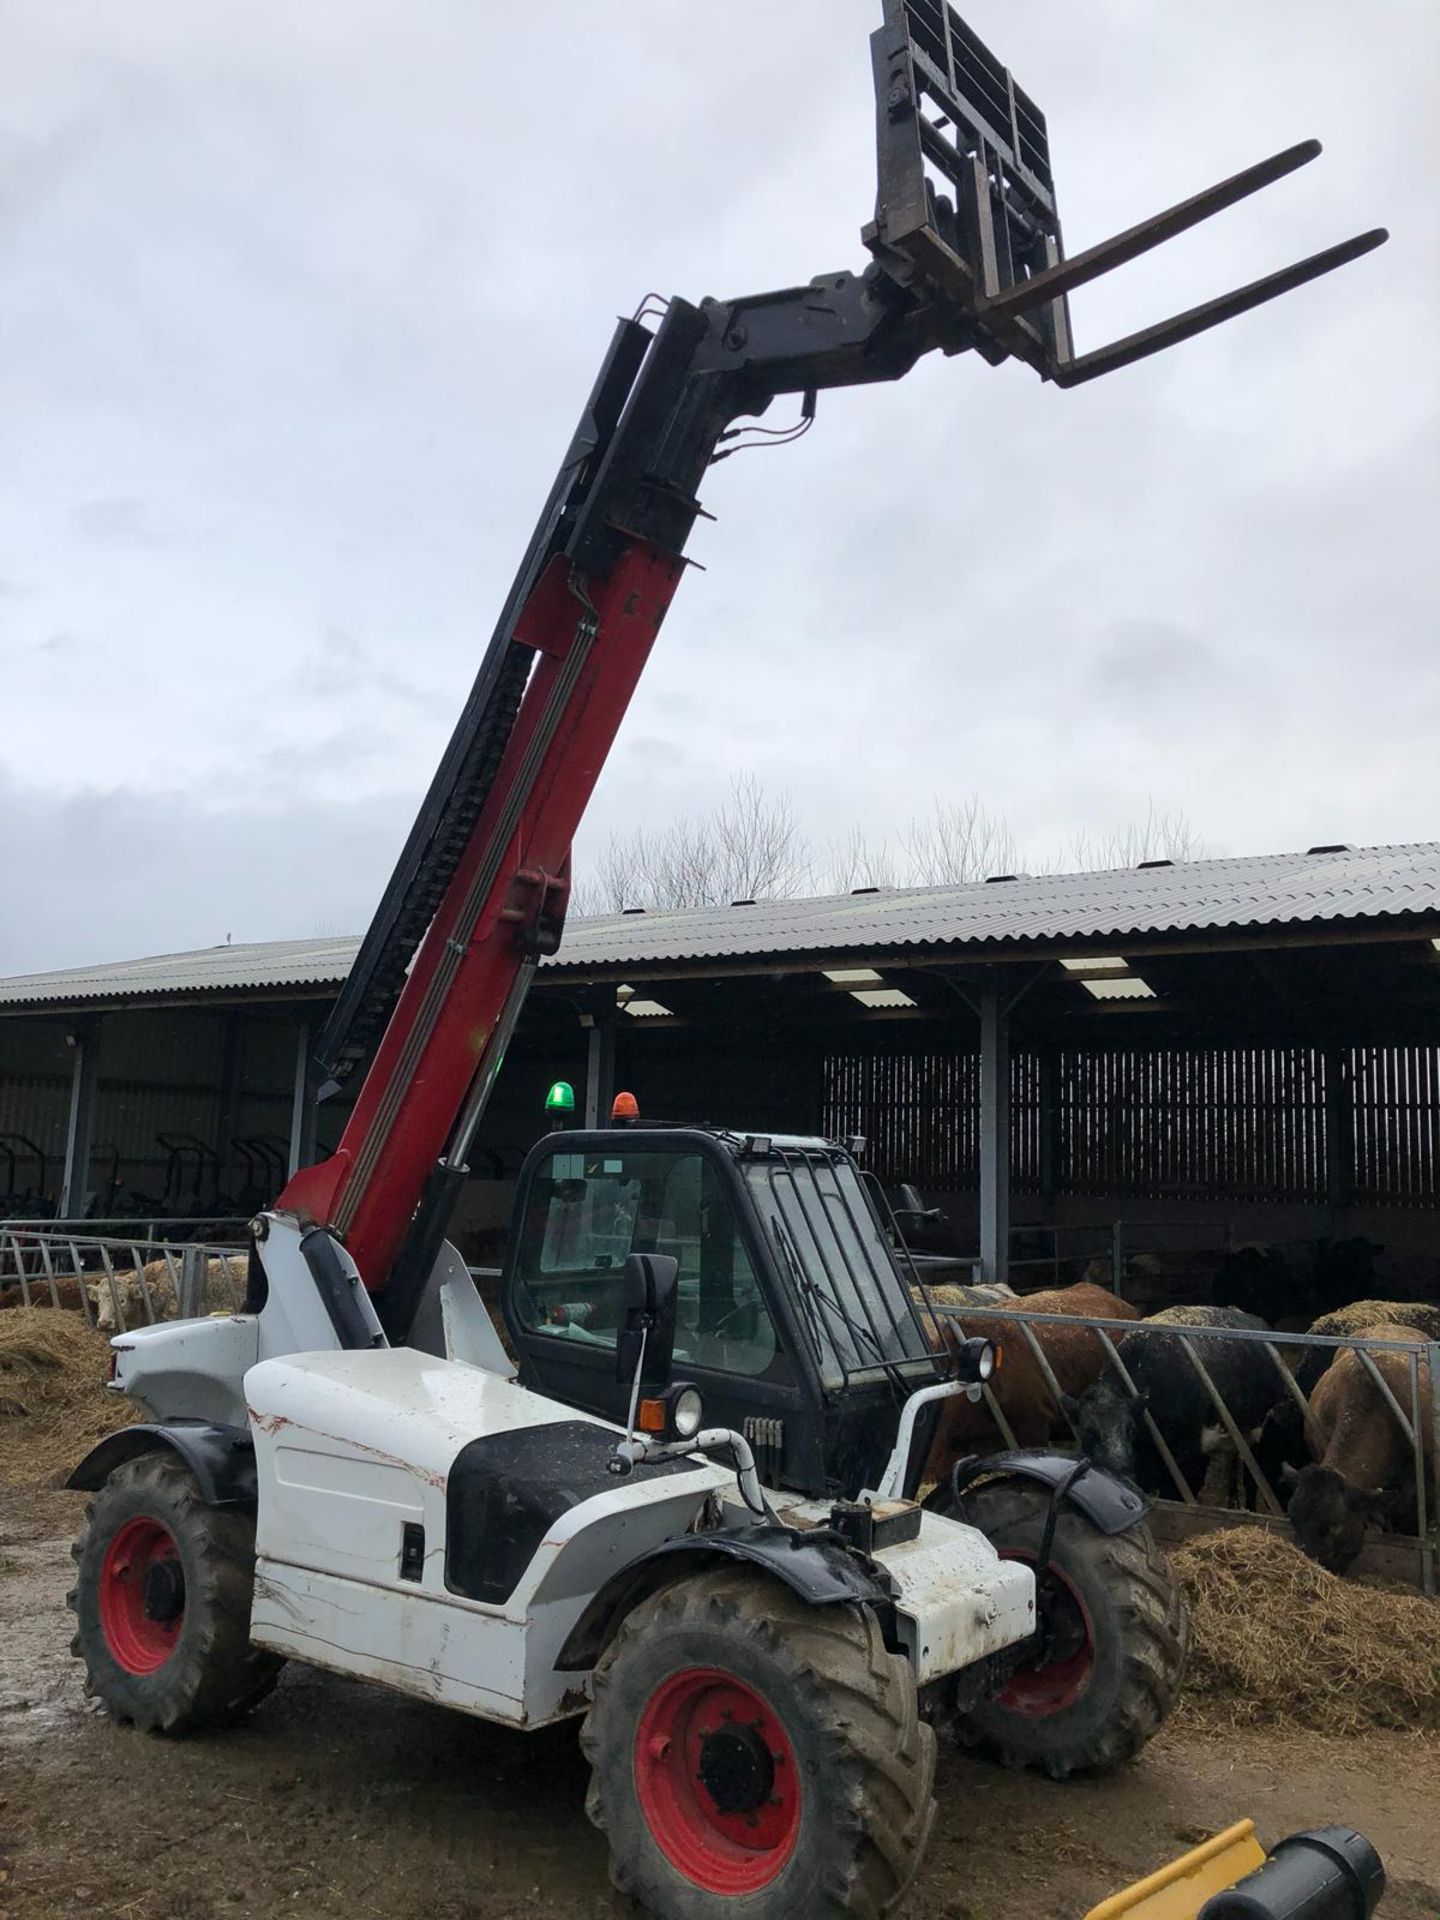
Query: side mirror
[{"x": 646, "y": 1346}]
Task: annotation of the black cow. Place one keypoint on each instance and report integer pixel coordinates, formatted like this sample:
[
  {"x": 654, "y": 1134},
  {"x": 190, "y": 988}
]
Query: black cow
[
  {"x": 1258, "y": 1281},
  {"x": 1110, "y": 1426}
]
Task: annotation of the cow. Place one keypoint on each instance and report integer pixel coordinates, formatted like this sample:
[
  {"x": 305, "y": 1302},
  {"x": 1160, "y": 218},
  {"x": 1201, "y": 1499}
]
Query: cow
[
  {"x": 1074, "y": 1355},
  {"x": 944, "y": 1295},
  {"x": 1363, "y": 1469},
  {"x": 1257, "y": 1280},
  {"x": 1344, "y": 1271},
  {"x": 1346, "y": 1322},
  {"x": 1282, "y": 1450},
  {"x": 221, "y": 1289},
  {"x": 66, "y": 1292},
  {"x": 1110, "y": 1425}
]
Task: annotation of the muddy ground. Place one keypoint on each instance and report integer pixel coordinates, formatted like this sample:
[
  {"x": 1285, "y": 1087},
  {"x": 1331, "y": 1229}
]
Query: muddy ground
[{"x": 339, "y": 1798}]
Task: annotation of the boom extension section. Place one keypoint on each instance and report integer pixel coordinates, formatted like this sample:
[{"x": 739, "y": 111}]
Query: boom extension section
[{"x": 479, "y": 893}]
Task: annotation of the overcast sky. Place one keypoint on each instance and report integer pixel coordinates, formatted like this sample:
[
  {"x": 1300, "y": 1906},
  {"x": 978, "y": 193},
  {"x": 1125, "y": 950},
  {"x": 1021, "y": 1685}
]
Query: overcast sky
[{"x": 299, "y": 300}]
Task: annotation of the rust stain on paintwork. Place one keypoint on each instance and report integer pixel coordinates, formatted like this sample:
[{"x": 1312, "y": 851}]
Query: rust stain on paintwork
[{"x": 274, "y": 1424}]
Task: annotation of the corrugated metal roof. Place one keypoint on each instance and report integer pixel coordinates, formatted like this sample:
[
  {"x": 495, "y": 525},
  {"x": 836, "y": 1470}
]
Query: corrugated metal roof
[
  {"x": 257, "y": 965},
  {"x": 1264, "y": 890},
  {"x": 1194, "y": 896}
]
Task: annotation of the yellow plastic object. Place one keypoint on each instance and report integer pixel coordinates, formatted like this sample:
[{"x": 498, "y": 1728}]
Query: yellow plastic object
[{"x": 1178, "y": 1892}]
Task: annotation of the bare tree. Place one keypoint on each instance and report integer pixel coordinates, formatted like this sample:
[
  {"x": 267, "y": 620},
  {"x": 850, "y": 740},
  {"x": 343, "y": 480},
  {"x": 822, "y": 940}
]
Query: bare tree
[
  {"x": 1159, "y": 836},
  {"x": 960, "y": 841},
  {"x": 751, "y": 848},
  {"x": 856, "y": 861}
]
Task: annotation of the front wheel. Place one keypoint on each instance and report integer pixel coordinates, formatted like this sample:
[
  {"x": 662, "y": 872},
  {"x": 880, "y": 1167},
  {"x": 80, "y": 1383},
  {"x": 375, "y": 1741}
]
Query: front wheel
[
  {"x": 754, "y": 1756},
  {"x": 1108, "y": 1661},
  {"x": 162, "y": 1602}
]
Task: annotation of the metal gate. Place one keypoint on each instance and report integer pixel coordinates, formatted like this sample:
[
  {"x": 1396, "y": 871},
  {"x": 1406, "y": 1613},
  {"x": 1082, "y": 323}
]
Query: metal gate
[
  {"x": 1416, "y": 1413},
  {"x": 119, "y": 1283}
]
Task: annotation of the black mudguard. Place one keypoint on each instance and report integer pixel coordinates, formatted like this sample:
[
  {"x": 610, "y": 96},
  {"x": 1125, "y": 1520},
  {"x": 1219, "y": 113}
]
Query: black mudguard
[
  {"x": 1108, "y": 1504},
  {"x": 818, "y": 1567},
  {"x": 221, "y": 1458}
]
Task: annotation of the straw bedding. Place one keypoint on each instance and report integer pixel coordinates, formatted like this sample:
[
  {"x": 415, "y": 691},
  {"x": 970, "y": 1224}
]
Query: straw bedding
[
  {"x": 1278, "y": 1640},
  {"x": 53, "y": 1402}
]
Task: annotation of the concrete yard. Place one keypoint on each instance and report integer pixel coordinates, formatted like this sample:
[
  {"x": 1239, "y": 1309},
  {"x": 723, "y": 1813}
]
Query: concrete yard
[{"x": 340, "y": 1799}]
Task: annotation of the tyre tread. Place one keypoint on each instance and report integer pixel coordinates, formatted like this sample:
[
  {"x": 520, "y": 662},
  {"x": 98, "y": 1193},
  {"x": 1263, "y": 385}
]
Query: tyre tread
[
  {"x": 219, "y": 1676},
  {"x": 863, "y": 1697}
]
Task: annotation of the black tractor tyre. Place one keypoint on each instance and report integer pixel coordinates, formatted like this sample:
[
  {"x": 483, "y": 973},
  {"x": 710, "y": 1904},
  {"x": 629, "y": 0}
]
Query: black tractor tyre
[
  {"x": 162, "y": 1602},
  {"x": 1115, "y": 1626},
  {"x": 754, "y": 1757}
]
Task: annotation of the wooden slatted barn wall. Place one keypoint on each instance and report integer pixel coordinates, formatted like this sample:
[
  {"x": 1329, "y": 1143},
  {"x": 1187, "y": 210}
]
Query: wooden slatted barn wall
[
  {"x": 1247, "y": 1121},
  {"x": 918, "y": 1112},
  {"x": 1396, "y": 1124},
  {"x": 1207, "y": 1123}
]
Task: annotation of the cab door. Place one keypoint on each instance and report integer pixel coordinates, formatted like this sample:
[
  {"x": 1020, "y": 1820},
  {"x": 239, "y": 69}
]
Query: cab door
[{"x": 586, "y": 1203}]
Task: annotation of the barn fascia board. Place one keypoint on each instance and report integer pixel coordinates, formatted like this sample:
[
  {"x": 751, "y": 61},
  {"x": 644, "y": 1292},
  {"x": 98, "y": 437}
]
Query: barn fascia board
[
  {"x": 194, "y": 997},
  {"x": 1325, "y": 933}
]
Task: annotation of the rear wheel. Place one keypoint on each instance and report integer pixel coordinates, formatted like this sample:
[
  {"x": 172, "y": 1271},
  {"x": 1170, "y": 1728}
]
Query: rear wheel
[
  {"x": 752, "y": 1755},
  {"x": 1110, "y": 1655},
  {"x": 162, "y": 1602}
]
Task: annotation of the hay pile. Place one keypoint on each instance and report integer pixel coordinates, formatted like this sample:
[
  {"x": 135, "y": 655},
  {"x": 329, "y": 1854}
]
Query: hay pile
[
  {"x": 1278, "y": 1640},
  {"x": 53, "y": 1401}
]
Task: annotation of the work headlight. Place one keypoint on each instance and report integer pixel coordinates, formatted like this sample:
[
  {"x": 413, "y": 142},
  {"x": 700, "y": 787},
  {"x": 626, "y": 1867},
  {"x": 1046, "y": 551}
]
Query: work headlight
[
  {"x": 675, "y": 1414},
  {"x": 976, "y": 1360}
]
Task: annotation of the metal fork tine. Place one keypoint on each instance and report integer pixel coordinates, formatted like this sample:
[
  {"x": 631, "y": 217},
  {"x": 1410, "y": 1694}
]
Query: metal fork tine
[
  {"x": 1115, "y": 252},
  {"x": 1185, "y": 326}
]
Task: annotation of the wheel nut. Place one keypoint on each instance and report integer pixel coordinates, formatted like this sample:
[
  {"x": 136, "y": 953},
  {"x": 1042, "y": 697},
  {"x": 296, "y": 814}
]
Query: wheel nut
[{"x": 659, "y": 1747}]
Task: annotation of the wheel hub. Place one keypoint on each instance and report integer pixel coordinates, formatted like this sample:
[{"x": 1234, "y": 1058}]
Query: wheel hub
[
  {"x": 717, "y": 1781},
  {"x": 141, "y": 1595},
  {"x": 1061, "y": 1659},
  {"x": 737, "y": 1769},
  {"x": 164, "y": 1591}
]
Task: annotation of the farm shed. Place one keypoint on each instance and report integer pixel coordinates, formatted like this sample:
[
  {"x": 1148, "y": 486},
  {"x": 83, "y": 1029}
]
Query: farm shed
[{"x": 1204, "y": 1052}]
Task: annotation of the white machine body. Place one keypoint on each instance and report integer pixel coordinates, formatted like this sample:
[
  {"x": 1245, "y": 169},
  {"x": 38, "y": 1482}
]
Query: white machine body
[{"x": 387, "y": 1476}]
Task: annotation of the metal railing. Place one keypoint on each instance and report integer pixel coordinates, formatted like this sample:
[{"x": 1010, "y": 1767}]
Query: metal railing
[
  {"x": 1113, "y": 1242},
  {"x": 139, "y": 1226},
  {"x": 119, "y": 1282},
  {"x": 1423, "y": 1413}
]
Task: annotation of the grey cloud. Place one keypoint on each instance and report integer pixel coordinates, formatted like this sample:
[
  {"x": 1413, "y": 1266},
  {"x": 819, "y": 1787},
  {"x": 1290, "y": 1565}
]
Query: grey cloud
[
  {"x": 319, "y": 281},
  {"x": 114, "y": 874},
  {"x": 1144, "y": 662},
  {"x": 117, "y": 523},
  {"x": 341, "y": 668}
]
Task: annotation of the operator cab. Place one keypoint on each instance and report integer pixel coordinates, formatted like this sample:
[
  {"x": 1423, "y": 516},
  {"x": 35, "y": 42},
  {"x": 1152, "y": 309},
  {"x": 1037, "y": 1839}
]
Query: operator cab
[{"x": 793, "y": 1318}]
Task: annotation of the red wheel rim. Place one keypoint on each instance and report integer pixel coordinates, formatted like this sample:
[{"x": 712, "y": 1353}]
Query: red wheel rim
[
  {"x": 142, "y": 1595},
  {"x": 1037, "y": 1692},
  {"x": 717, "y": 1782}
]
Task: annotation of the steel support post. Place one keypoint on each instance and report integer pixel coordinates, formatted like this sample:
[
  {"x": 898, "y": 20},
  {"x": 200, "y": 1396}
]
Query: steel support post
[
  {"x": 600, "y": 1071},
  {"x": 79, "y": 1122},
  {"x": 994, "y": 1136},
  {"x": 303, "y": 1114}
]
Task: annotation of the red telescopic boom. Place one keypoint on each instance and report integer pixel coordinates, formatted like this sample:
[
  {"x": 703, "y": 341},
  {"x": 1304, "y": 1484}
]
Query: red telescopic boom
[{"x": 478, "y": 896}]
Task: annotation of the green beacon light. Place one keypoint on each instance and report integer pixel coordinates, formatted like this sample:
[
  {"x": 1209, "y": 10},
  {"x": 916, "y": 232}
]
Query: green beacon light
[{"x": 560, "y": 1098}]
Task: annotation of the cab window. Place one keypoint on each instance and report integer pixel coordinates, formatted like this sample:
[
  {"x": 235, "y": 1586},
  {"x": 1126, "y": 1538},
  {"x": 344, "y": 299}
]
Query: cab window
[{"x": 586, "y": 1213}]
